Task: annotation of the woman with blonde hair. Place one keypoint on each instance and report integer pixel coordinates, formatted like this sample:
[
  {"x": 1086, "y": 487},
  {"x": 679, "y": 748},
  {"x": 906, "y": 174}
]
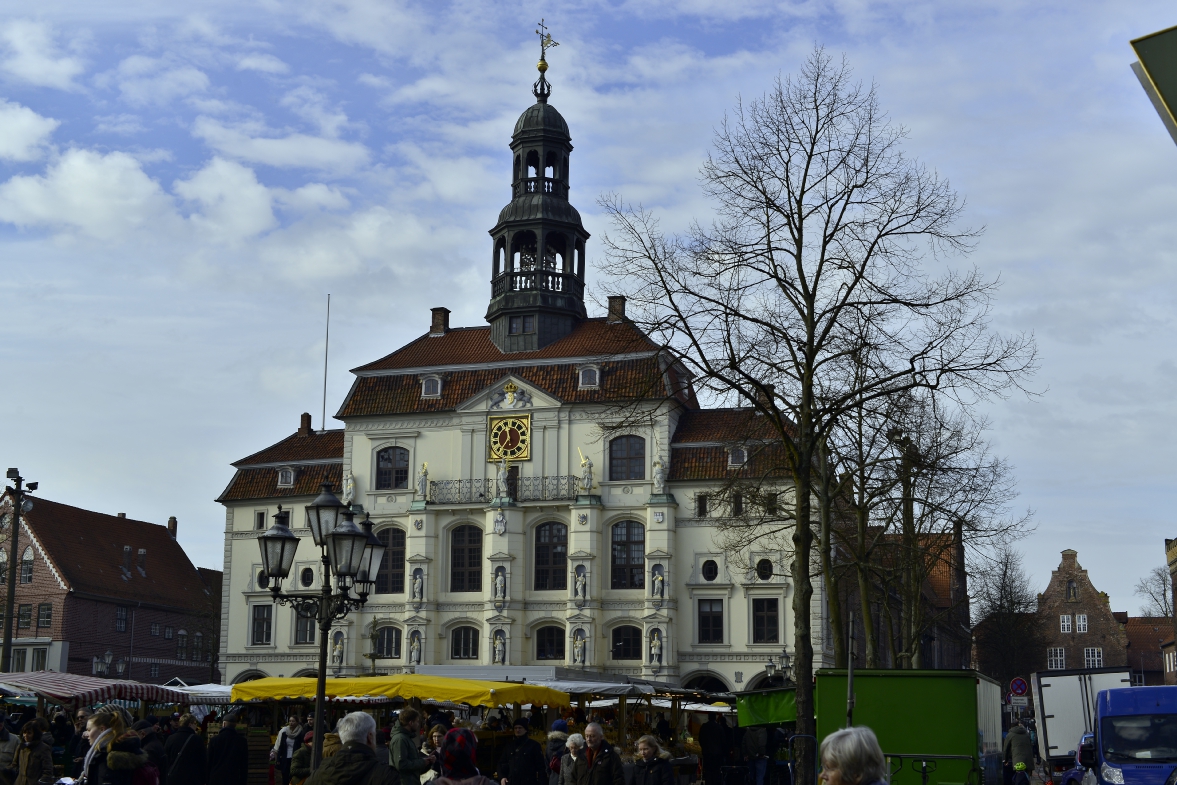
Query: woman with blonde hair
[
  {"x": 114, "y": 753},
  {"x": 852, "y": 756},
  {"x": 653, "y": 764}
]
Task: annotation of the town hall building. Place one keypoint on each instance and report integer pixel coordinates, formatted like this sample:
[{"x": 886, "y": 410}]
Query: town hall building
[{"x": 528, "y": 517}]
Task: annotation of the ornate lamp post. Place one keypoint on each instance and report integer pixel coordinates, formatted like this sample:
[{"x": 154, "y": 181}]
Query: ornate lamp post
[
  {"x": 349, "y": 554},
  {"x": 785, "y": 668},
  {"x": 20, "y": 505}
]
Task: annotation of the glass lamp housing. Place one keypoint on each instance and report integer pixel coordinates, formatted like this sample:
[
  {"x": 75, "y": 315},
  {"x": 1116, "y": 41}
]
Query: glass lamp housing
[
  {"x": 370, "y": 563},
  {"x": 770, "y": 668},
  {"x": 323, "y": 514},
  {"x": 278, "y": 546},
  {"x": 345, "y": 548}
]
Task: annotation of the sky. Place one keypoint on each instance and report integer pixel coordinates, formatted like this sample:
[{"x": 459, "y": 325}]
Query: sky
[{"x": 182, "y": 184}]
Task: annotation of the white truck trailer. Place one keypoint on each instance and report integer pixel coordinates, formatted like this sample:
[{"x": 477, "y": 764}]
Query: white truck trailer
[{"x": 1064, "y": 704}]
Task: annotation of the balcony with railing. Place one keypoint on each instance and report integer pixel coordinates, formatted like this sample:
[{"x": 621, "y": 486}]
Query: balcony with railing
[
  {"x": 540, "y": 185},
  {"x": 537, "y": 281},
  {"x": 520, "y": 489}
]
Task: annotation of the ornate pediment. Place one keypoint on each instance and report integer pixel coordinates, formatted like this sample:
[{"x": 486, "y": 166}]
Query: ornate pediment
[{"x": 509, "y": 394}]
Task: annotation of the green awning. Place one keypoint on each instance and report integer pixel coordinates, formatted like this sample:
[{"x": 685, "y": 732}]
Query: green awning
[{"x": 764, "y": 708}]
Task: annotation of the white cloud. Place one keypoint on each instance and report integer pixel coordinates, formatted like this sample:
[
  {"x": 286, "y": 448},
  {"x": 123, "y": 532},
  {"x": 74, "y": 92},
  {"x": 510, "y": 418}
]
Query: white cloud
[
  {"x": 23, "y": 132},
  {"x": 123, "y": 124},
  {"x": 147, "y": 80},
  {"x": 311, "y": 105},
  {"x": 312, "y": 196},
  {"x": 106, "y": 197},
  {"x": 32, "y": 56},
  {"x": 234, "y": 205},
  {"x": 294, "y": 150},
  {"x": 265, "y": 63}
]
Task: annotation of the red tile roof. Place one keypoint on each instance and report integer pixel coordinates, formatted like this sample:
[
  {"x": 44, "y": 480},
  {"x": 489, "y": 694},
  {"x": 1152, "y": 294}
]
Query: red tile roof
[
  {"x": 316, "y": 445},
  {"x": 711, "y": 463},
  {"x": 401, "y": 394},
  {"x": 472, "y": 346},
  {"x": 250, "y": 483},
  {"x": 723, "y": 426},
  {"x": 86, "y": 548},
  {"x": 1145, "y": 636}
]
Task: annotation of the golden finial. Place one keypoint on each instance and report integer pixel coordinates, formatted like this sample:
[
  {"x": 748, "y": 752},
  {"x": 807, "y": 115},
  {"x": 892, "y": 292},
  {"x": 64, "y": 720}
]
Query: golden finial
[{"x": 545, "y": 43}]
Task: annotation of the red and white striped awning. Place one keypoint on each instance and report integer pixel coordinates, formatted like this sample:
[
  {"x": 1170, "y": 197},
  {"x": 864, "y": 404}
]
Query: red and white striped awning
[{"x": 72, "y": 689}]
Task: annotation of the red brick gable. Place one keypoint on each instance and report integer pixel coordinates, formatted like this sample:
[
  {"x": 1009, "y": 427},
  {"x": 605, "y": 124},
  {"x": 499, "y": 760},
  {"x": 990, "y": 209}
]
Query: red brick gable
[{"x": 472, "y": 346}]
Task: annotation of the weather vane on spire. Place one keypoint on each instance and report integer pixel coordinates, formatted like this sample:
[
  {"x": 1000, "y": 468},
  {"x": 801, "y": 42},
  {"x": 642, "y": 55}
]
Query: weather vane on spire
[{"x": 541, "y": 89}]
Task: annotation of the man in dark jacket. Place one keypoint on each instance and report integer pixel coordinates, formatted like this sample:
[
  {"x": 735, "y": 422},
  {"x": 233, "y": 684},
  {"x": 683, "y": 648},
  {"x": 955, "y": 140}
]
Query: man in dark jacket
[
  {"x": 1017, "y": 747},
  {"x": 356, "y": 762},
  {"x": 605, "y": 767},
  {"x": 186, "y": 763},
  {"x": 228, "y": 754},
  {"x": 523, "y": 761},
  {"x": 150, "y": 743},
  {"x": 404, "y": 750},
  {"x": 714, "y": 743}
]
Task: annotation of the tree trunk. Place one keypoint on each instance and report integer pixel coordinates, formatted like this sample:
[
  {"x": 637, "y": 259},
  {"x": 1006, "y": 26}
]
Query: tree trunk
[
  {"x": 833, "y": 596},
  {"x": 802, "y": 635}
]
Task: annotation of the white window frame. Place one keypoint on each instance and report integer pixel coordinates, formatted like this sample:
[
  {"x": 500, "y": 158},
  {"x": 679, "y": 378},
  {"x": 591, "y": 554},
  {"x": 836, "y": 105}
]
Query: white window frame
[
  {"x": 1056, "y": 658},
  {"x": 581, "y": 384},
  {"x": 286, "y": 476},
  {"x": 425, "y": 380},
  {"x": 1093, "y": 657},
  {"x": 1080, "y": 622},
  {"x": 259, "y": 520},
  {"x": 1064, "y": 623},
  {"x": 732, "y": 463}
]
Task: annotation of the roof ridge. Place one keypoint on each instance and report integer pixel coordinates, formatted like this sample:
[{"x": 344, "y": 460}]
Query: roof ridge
[{"x": 91, "y": 512}]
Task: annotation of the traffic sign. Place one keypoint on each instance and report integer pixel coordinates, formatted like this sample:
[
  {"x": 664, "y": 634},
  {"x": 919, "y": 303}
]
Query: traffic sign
[
  {"x": 1019, "y": 686},
  {"x": 1019, "y": 700}
]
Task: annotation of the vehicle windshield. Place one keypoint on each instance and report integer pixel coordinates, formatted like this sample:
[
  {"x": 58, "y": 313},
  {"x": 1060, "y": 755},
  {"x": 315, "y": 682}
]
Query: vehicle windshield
[{"x": 1139, "y": 737}]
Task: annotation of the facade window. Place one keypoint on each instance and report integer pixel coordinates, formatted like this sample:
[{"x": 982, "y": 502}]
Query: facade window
[
  {"x": 1072, "y": 590},
  {"x": 306, "y": 577},
  {"x": 521, "y": 325},
  {"x": 388, "y": 643},
  {"x": 182, "y": 643},
  {"x": 1056, "y": 658},
  {"x": 120, "y": 618},
  {"x": 1137, "y": 678},
  {"x": 431, "y": 387},
  {"x": 197, "y": 646},
  {"x": 551, "y": 558},
  {"x": 1080, "y": 622},
  {"x": 24, "y": 617},
  {"x": 392, "y": 469},
  {"x": 45, "y": 615},
  {"x": 770, "y": 504},
  {"x": 466, "y": 559},
  {"x": 40, "y": 656},
  {"x": 285, "y": 478},
  {"x": 737, "y": 504},
  {"x": 464, "y": 643},
  {"x": 764, "y": 569},
  {"x": 710, "y": 621},
  {"x": 710, "y": 570},
  {"x": 627, "y": 458},
  {"x": 259, "y": 520},
  {"x": 304, "y": 629},
  {"x": 1064, "y": 623},
  {"x": 627, "y": 643},
  {"x": 154, "y": 670},
  {"x": 701, "y": 506},
  {"x": 765, "y": 620},
  {"x": 589, "y": 377},
  {"x": 26, "y": 566},
  {"x": 262, "y": 625},
  {"x": 628, "y": 555},
  {"x": 737, "y": 456},
  {"x": 155, "y": 629},
  {"x": 1093, "y": 657},
  {"x": 167, "y": 633},
  {"x": 390, "y": 578},
  {"x": 18, "y": 660},
  {"x": 549, "y": 643}
]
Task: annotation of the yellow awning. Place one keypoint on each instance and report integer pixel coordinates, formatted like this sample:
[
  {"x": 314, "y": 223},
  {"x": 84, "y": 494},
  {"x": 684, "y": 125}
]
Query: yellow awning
[{"x": 438, "y": 688}]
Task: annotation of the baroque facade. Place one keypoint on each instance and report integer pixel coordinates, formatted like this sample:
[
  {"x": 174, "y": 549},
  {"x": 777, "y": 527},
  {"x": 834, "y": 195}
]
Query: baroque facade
[
  {"x": 1078, "y": 624},
  {"x": 527, "y": 520}
]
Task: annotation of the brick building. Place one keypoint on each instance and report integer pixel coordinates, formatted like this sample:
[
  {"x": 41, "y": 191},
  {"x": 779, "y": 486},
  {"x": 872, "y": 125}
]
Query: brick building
[
  {"x": 1078, "y": 624},
  {"x": 1146, "y": 635},
  {"x": 90, "y": 583}
]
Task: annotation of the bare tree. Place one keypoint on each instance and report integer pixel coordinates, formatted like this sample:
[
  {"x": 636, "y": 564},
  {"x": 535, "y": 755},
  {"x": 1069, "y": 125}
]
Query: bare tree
[
  {"x": 1157, "y": 590},
  {"x": 1009, "y": 640},
  {"x": 822, "y": 223}
]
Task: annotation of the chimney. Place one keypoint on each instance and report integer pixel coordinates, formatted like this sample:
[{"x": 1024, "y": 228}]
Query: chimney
[
  {"x": 765, "y": 396},
  {"x": 441, "y": 321},
  {"x": 172, "y": 527},
  {"x": 127, "y": 558},
  {"x": 122, "y": 515},
  {"x": 142, "y": 558},
  {"x": 616, "y": 309},
  {"x": 304, "y": 424}
]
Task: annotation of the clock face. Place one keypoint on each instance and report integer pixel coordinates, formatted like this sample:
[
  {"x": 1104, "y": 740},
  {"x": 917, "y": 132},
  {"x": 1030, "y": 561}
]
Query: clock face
[{"x": 510, "y": 438}]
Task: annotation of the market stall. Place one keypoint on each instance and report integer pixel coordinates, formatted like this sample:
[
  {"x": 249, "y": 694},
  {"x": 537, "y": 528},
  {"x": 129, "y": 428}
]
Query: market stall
[
  {"x": 73, "y": 690},
  {"x": 409, "y": 686}
]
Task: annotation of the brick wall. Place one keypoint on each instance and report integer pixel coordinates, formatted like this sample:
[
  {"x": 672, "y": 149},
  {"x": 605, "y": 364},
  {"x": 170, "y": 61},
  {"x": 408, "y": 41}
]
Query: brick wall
[{"x": 1070, "y": 593}]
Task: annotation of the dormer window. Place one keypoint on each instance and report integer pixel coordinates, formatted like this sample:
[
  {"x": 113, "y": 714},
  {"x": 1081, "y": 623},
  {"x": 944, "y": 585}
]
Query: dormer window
[
  {"x": 737, "y": 456},
  {"x": 286, "y": 477},
  {"x": 431, "y": 387},
  {"x": 590, "y": 377},
  {"x": 521, "y": 325}
]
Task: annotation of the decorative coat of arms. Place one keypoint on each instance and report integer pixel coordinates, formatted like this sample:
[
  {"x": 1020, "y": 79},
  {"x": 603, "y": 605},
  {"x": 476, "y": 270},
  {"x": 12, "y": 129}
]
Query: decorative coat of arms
[{"x": 511, "y": 396}]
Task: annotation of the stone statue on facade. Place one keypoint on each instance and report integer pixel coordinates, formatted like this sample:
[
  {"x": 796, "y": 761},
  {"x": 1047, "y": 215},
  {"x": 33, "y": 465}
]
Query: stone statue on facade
[
  {"x": 658, "y": 584},
  {"x": 586, "y": 472},
  {"x": 337, "y": 651},
  {"x": 581, "y": 586},
  {"x": 349, "y": 488},
  {"x": 500, "y": 650},
  {"x": 578, "y": 649},
  {"x": 423, "y": 481},
  {"x": 500, "y": 522},
  {"x": 656, "y": 648},
  {"x": 418, "y": 587},
  {"x": 500, "y": 586},
  {"x": 501, "y": 482},
  {"x": 415, "y": 649},
  {"x": 659, "y": 477}
]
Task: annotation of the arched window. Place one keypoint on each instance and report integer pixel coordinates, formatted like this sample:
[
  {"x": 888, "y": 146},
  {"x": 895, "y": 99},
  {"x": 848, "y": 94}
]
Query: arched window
[
  {"x": 466, "y": 559},
  {"x": 390, "y": 579},
  {"x": 392, "y": 469},
  {"x": 627, "y": 458},
  {"x": 551, "y": 557},
  {"x": 532, "y": 164},
  {"x": 197, "y": 645},
  {"x": 464, "y": 643},
  {"x": 627, "y": 643},
  {"x": 550, "y": 164},
  {"x": 628, "y": 555},
  {"x": 518, "y": 164},
  {"x": 388, "y": 643},
  {"x": 26, "y": 566},
  {"x": 549, "y": 643}
]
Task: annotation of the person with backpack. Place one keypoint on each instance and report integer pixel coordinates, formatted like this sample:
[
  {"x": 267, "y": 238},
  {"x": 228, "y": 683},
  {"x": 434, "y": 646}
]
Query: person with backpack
[
  {"x": 557, "y": 749},
  {"x": 184, "y": 749}
]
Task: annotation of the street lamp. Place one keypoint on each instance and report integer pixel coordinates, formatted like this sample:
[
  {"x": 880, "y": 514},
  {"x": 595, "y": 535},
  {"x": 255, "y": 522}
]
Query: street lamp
[
  {"x": 346, "y": 552},
  {"x": 19, "y": 505},
  {"x": 120, "y": 667},
  {"x": 785, "y": 668}
]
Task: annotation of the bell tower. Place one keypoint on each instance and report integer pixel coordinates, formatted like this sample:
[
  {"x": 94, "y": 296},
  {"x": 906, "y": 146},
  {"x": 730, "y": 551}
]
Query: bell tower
[{"x": 537, "y": 272}]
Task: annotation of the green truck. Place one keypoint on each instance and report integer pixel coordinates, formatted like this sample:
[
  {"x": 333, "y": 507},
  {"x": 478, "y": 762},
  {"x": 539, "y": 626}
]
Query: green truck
[{"x": 937, "y": 727}]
